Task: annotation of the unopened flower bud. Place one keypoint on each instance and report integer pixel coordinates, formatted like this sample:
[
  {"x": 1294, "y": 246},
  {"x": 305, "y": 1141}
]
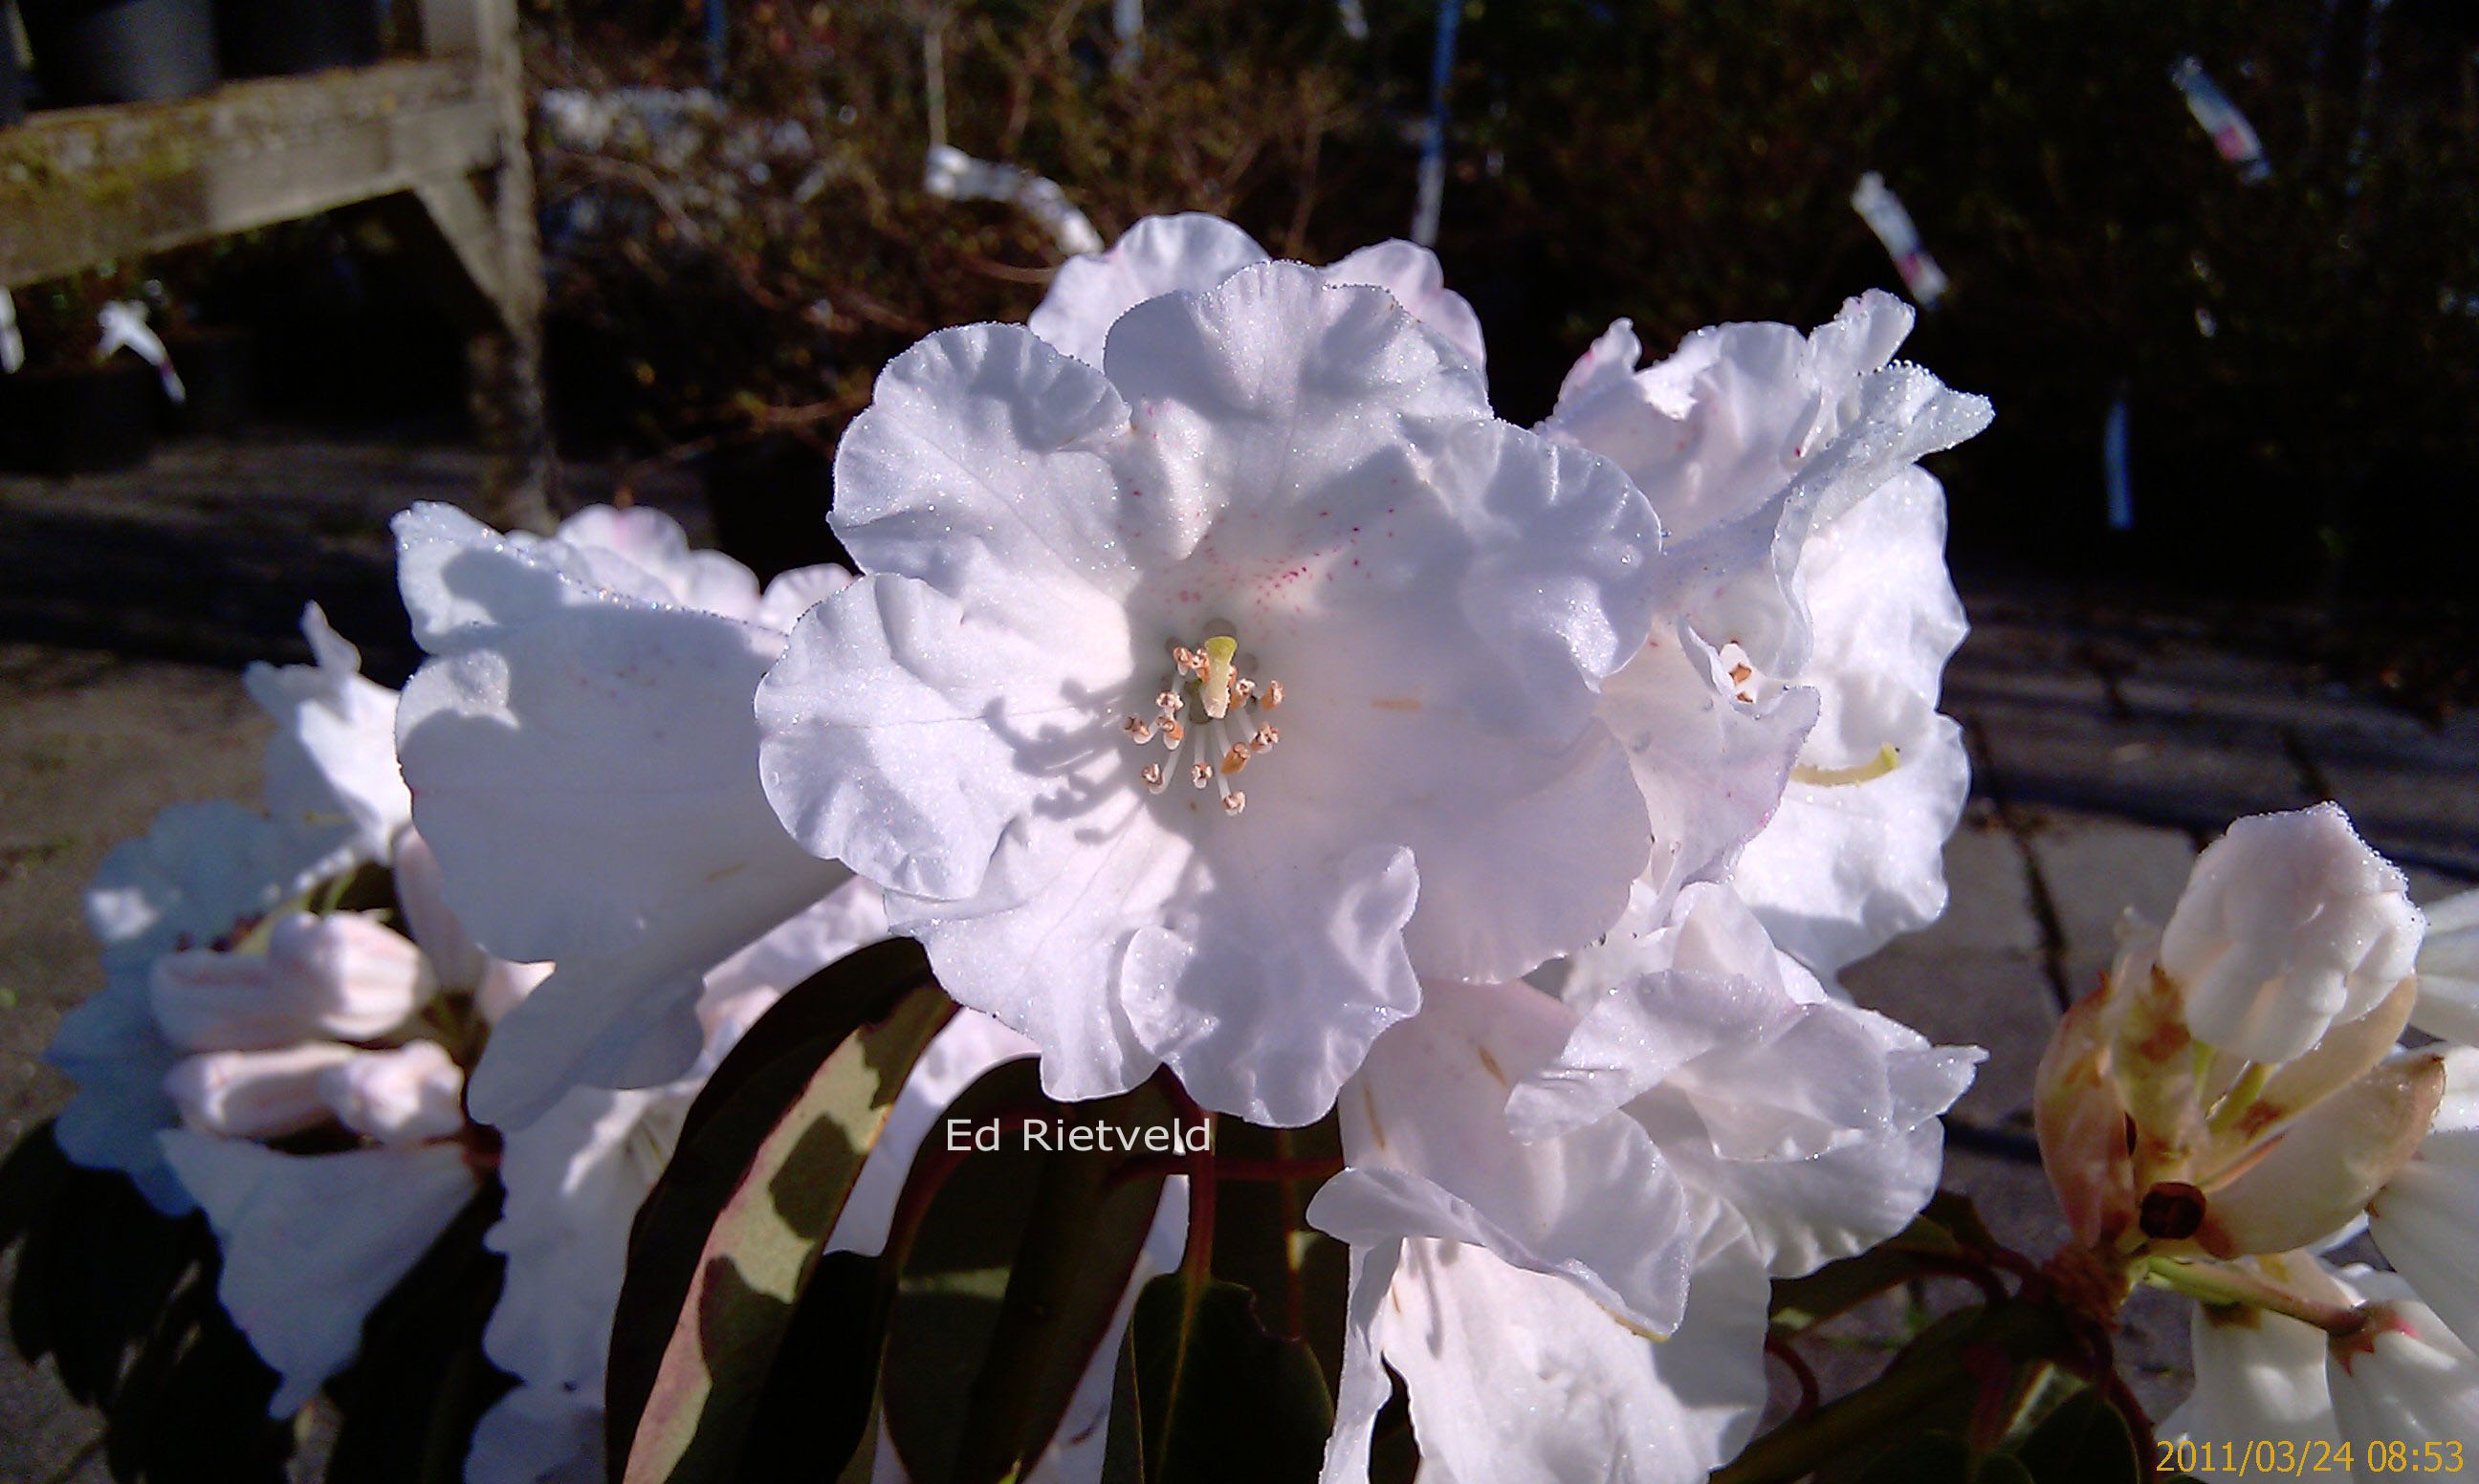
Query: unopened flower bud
[
  {"x": 402, "y": 1096},
  {"x": 341, "y": 976},
  {"x": 255, "y": 1095},
  {"x": 2288, "y": 924},
  {"x": 2080, "y": 1117}
]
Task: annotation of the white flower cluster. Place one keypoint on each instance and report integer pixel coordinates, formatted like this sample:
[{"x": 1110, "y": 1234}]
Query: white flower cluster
[
  {"x": 2239, "y": 1100},
  {"x": 1226, "y": 689}
]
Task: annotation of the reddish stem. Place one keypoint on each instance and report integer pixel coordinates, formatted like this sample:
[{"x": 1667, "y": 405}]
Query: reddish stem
[{"x": 1809, "y": 1393}]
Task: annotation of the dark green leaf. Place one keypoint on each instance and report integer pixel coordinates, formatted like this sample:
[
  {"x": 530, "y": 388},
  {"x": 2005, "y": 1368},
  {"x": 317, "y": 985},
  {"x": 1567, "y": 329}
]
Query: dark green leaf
[
  {"x": 1067, "y": 1238},
  {"x": 826, "y": 1369},
  {"x": 1801, "y": 1303},
  {"x": 2084, "y": 1441},
  {"x": 1954, "y": 1213},
  {"x": 829, "y": 1005},
  {"x": 1214, "y": 1397},
  {"x": 725, "y": 1242},
  {"x": 97, "y": 1264},
  {"x": 130, "y": 1421}
]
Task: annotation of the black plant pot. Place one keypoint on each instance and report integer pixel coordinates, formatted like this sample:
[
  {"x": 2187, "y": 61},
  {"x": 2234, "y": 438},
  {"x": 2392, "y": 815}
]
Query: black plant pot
[
  {"x": 78, "y": 419},
  {"x": 220, "y": 381},
  {"x": 277, "y": 37},
  {"x": 121, "y": 51},
  {"x": 13, "y": 81},
  {"x": 769, "y": 497}
]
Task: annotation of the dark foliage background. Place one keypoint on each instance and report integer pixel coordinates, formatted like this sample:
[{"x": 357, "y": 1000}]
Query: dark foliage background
[{"x": 1677, "y": 163}]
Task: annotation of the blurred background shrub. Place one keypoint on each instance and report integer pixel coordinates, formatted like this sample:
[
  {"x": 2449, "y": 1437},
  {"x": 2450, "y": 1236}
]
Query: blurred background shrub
[{"x": 737, "y": 251}]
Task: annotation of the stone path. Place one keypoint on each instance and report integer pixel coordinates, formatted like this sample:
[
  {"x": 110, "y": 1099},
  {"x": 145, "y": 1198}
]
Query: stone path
[{"x": 2108, "y": 751}]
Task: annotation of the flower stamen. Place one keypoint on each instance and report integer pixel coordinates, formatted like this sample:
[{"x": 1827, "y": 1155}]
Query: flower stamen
[{"x": 1210, "y": 678}]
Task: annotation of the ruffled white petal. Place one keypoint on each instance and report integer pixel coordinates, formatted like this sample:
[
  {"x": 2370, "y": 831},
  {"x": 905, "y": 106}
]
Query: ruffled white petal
[
  {"x": 2426, "y": 1219},
  {"x": 654, "y": 544},
  {"x": 1159, "y": 255},
  {"x": 537, "y": 1435},
  {"x": 1815, "y": 1122},
  {"x": 331, "y": 763},
  {"x": 1843, "y": 866},
  {"x": 1516, "y": 1375},
  {"x": 1413, "y": 274},
  {"x": 2407, "y": 1378},
  {"x": 1782, "y": 466},
  {"x": 1431, "y": 1155},
  {"x": 190, "y": 880}
]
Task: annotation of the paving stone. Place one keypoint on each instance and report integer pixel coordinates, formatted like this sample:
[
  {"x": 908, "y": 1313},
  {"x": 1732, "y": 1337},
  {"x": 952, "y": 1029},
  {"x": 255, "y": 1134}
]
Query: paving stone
[
  {"x": 2093, "y": 871},
  {"x": 93, "y": 747},
  {"x": 1975, "y": 977}
]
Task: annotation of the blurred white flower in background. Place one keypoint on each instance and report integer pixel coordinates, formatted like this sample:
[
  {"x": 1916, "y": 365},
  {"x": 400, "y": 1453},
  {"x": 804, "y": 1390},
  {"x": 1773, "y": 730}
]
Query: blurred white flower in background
[{"x": 584, "y": 763}]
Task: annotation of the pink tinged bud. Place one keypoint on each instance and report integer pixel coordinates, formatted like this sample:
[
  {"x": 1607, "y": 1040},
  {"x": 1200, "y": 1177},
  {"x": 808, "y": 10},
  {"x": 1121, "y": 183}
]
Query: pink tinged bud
[
  {"x": 210, "y": 1000},
  {"x": 2315, "y": 1178},
  {"x": 2081, "y": 1124},
  {"x": 255, "y": 1095},
  {"x": 341, "y": 976},
  {"x": 407, "y": 1095},
  {"x": 356, "y": 979},
  {"x": 2404, "y": 1377},
  {"x": 2289, "y": 924}
]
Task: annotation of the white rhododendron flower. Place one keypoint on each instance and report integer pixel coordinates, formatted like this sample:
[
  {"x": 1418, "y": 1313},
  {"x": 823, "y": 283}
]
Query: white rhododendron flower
[
  {"x": 2289, "y": 924},
  {"x": 1784, "y": 469},
  {"x": 1710, "y": 1121},
  {"x": 202, "y": 876},
  {"x": 584, "y": 763},
  {"x": 1284, "y": 516},
  {"x": 1192, "y": 253}
]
